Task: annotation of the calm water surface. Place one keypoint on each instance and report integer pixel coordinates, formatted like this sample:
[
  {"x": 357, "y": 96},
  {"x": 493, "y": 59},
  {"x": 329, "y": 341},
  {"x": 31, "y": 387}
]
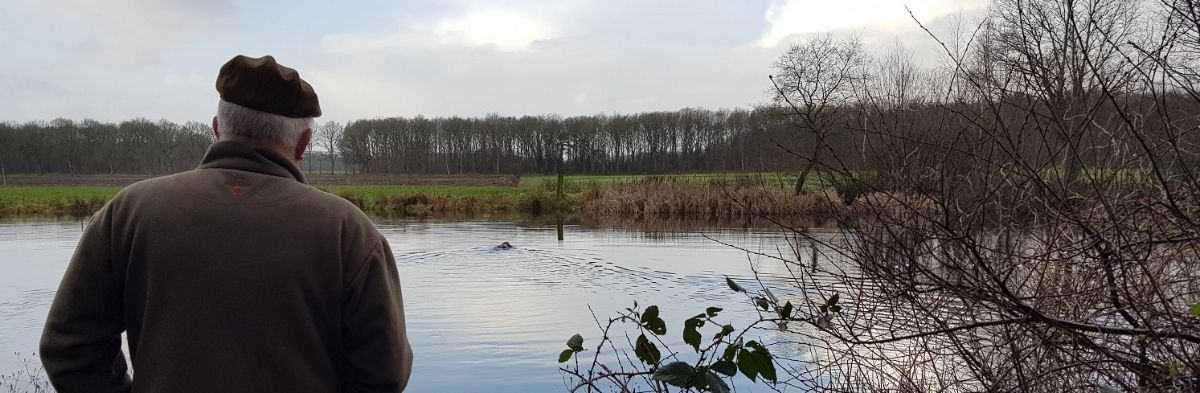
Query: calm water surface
[{"x": 479, "y": 319}]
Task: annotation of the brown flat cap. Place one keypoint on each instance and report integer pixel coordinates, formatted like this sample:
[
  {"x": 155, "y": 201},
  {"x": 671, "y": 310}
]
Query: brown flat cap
[{"x": 264, "y": 85}]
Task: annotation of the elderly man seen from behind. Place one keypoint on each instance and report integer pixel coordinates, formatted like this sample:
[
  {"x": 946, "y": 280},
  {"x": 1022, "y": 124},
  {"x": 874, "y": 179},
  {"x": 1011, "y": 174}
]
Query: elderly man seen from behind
[{"x": 236, "y": 276}]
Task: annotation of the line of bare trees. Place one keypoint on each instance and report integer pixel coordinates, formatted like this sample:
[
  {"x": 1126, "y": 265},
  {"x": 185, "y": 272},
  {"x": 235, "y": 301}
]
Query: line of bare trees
[
  {"x": 136, "y": 146},
  {"x": 687, "y": 140}
]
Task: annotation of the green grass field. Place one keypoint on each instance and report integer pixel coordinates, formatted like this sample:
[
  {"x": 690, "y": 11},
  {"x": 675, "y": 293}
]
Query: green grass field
[
  {"x": 533, "y": 194},
  {"x": 373, "y": 191},
  {"x": 53, "y": 200}
]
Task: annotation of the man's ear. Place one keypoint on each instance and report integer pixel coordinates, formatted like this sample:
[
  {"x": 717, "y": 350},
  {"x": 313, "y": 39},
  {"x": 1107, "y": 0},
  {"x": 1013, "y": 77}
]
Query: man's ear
[
  {"x": 302, "y": 144},
  {"x": 216, "y": 128}
]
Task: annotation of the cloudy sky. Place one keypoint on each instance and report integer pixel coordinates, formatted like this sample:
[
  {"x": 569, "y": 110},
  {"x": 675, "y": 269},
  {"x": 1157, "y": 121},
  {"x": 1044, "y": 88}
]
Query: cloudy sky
[{"x": 114, "y": 60}]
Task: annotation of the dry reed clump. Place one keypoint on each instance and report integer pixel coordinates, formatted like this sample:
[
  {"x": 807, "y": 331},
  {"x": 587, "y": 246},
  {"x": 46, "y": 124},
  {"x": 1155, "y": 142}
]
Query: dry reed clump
[
  {"x": 665, "y": 198},
  {"x": 540, "y": 202},
  {"x": 417, "y": 205},
  {"x": 420, "y": 204},
  {"x": 81, "y": 205},
  {"x": 658, "y": 198},
  {"x": 893, "y": 206}
]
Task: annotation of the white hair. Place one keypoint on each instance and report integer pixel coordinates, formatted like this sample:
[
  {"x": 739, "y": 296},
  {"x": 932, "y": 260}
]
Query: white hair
[{"x": 234, "y": 119}]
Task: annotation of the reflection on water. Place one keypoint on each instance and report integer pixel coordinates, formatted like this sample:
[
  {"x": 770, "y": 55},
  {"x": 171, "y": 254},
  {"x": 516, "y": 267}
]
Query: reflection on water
[{"x": 480, "y": 318}]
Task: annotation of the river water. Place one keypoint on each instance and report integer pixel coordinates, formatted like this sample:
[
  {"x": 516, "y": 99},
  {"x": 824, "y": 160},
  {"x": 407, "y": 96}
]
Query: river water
[{"x": 479, "y": 319}]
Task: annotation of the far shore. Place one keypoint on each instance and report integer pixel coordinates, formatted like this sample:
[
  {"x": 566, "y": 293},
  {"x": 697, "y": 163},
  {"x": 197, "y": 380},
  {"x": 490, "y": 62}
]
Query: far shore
[{"x": 700, "y": 196}]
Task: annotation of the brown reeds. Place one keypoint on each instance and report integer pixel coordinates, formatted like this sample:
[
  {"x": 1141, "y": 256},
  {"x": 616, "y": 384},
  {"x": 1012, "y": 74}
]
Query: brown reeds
[
  {"x": 658, "y": 197},
  {"x": 650, "y": 198},
  {"x": 421, "y": 204}
]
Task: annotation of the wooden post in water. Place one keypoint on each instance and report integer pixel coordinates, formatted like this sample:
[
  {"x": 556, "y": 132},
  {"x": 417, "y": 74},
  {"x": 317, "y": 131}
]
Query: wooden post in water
[
  {"x": 814, "y": 256},
  {"x": 559, "y": 219},
  {"x": 559, "y": 189},
  {"x": 560, "y": 204},
  {"x": 558, "y": 209}
]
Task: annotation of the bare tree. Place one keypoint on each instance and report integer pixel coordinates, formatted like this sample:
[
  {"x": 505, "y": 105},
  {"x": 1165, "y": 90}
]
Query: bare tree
[
  {"x": 329, "y": 134},
  {"x": 816, "y": 79}
]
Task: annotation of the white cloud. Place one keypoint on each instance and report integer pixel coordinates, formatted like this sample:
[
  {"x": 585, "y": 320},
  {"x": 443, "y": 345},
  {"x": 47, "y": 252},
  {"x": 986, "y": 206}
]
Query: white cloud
[
  {"x": 790, "y": 17},
  {"x": 505, "y": 30}
]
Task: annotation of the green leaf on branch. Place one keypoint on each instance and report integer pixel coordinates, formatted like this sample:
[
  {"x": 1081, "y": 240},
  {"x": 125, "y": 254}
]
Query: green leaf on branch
[
  {"x": 766, "y": 367},
  {"x": 725, "y": 332},
  {"x": 762, "y": 303},
  {"x": 700, "y": 379},
  {"x": 657, "y": 326},
  {"x": 786, "y": 312},
  {"x": 833, "y": 300},
  {"x": 678, "y": 374},
  {"x": 712, "y": 311},
  {"x": 715, "y": 383},
  {"x": 730, "y": 353},
  {"x": 733, "y": 285},
  {"x": 725, "y": 367},
  {"x": 652, "y": 322},
  {"x": 756, "y": 361},
  {"x": 747, "y": 364},
  {"x": 1196, "y": 309},
  {"x": 690, "y": 335},
  {"x": 650, "y": 314},
  {"x": 646, "y": 351},
  {"x": 575, "y": 343}
]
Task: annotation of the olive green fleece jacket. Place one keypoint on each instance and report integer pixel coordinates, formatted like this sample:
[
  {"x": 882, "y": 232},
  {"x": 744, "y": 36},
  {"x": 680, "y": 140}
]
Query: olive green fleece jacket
[{"x": 234, "y": 277}]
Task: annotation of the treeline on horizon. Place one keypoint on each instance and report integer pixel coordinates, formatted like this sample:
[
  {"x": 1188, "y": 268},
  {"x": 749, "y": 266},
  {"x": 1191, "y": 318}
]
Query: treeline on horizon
[
  {"x": 137, "y": 146},
  {"x": 687, "y": 140}
]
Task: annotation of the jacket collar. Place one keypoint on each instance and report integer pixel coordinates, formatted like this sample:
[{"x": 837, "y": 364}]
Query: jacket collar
[{"x": 244, "y": 156}]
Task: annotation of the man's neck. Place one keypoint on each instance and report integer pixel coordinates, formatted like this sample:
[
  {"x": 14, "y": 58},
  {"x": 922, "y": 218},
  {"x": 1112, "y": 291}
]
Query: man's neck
[{"x": 276, "y": 146}]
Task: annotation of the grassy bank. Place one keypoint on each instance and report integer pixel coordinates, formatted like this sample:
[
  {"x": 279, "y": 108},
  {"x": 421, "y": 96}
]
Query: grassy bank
[
  {"x": 403, "y": 200},
  {"x": 683, "y": 196},
  {"x": 53, "y": 200}
]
